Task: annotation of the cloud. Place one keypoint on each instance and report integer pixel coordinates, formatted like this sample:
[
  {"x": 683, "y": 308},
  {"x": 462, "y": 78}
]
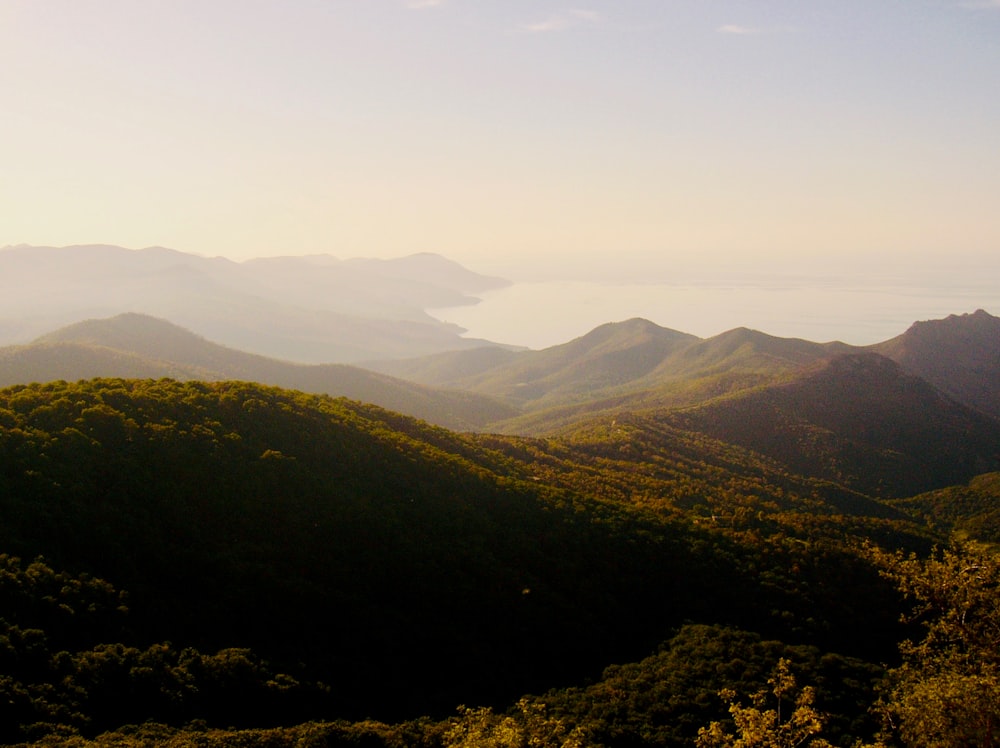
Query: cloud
[
  {"x": 421, "y": 4},
  {"x": 566, "y": 19},
  {"x": 982, "y": 5}
]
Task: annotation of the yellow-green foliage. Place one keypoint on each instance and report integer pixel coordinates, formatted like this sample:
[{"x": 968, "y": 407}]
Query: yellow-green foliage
[
  {"x": 763, "y": 724},
  {"x": 947, "y": 690}
]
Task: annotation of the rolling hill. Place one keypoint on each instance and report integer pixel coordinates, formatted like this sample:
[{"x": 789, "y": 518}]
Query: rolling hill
[
  {"x": 614, "y": 360},
  {"x": 610, "y": 356},
  {"x": 134, "y": 345}
]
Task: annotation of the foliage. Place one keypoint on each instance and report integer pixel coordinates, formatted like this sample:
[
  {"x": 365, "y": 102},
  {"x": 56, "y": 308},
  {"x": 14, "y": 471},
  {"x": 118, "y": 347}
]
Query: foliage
[
  {"x": 665, "y": 698},
  {"x": 761, "y": 726},
  {"x": 58, "y": 676},
  {"x": 273, "y": 558},
  {"x": 860, "y": 421},
  {"x": 528, "y": 725},
  {"x": 970, "y": 511},
  {"x": 947, "y": 691}
]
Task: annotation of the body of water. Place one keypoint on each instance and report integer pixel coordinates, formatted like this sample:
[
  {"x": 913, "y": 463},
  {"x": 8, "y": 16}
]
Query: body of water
[{"x": 542, "y": 314}]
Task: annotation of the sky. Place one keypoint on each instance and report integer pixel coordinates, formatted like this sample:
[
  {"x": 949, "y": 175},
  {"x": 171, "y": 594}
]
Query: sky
[{"x": 632, "y": 140}]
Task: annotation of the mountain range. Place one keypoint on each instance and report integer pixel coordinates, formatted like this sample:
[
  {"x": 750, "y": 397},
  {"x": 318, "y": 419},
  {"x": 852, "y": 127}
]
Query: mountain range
[
  {"x": 602, "y": 534},
  {"x": 959, "y": 355},
  {"x": 816, "y": 407}
]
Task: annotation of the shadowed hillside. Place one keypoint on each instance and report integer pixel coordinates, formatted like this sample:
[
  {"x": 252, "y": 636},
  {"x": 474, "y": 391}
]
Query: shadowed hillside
[
  {"x": 861, "y": 421},
  {"x": 960, "y": 355}
]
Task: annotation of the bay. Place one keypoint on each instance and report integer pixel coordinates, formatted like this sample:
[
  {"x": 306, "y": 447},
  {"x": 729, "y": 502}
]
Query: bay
[{"x": 541, "y": 314}]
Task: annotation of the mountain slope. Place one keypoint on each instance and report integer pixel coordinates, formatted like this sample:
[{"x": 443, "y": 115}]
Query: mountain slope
[
  {"x": 44, "y": 362},
  {"x": 745, "y": 350},
  {"x": 860, "y": 420},
  {"x": 960, "y": 355},
  {"x": 610, "y": 356},
  {"x": 133, "y": 345}
]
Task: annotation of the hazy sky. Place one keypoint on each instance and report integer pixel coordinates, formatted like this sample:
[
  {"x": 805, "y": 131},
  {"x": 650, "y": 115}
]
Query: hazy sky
[{"x": 617, "y": 138}]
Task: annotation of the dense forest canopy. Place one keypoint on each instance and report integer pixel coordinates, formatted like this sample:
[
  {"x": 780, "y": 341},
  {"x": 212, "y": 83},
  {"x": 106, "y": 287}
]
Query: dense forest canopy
[{"x": 262, "y": 559}]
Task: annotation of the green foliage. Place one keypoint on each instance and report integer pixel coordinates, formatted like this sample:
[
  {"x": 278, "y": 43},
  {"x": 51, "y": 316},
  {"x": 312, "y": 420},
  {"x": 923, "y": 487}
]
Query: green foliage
[
  {"x": 290, "y": 557},
  {"x": 968, "y": 512}
]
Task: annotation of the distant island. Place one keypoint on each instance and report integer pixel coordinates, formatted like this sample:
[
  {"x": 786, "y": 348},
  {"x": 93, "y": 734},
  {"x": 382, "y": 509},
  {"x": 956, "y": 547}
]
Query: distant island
[{"x": 311, "y": 309}]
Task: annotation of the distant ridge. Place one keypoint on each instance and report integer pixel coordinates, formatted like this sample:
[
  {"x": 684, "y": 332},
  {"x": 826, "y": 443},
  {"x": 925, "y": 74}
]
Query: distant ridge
[
  {"x": 638, "y": 365},
  {"x": 313, "y": 309},
  {"x": 137, "y": 345},
  {"x": 752, "y": 350},
  {"x": 634, "y": 363}
]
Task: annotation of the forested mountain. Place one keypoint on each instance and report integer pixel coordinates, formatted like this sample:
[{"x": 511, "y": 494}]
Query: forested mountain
[
  {"x": 204, "y": 561},
  {"x": 314, "y": 309},
  {"x": 331, "y": 559},
  {"x": 134, "y": 345},
  {"x": 968, "y": 510}
]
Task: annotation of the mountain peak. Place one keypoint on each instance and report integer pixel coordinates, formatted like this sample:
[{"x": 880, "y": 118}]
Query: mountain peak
[
  {"x": 979, "y": 322},
  {"x": 629, "y": 331},
  {"x": 959, "y": 355}
]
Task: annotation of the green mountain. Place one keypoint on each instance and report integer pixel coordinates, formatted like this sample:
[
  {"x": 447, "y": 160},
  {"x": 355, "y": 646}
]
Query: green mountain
[{"x": 134, "y": 345}]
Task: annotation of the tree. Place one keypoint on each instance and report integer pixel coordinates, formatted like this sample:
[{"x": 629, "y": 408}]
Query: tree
[
  {"x": 758, "y": 726},
  {"x": 527, "y": 727},
  {"x": 947, "y": 690}
]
